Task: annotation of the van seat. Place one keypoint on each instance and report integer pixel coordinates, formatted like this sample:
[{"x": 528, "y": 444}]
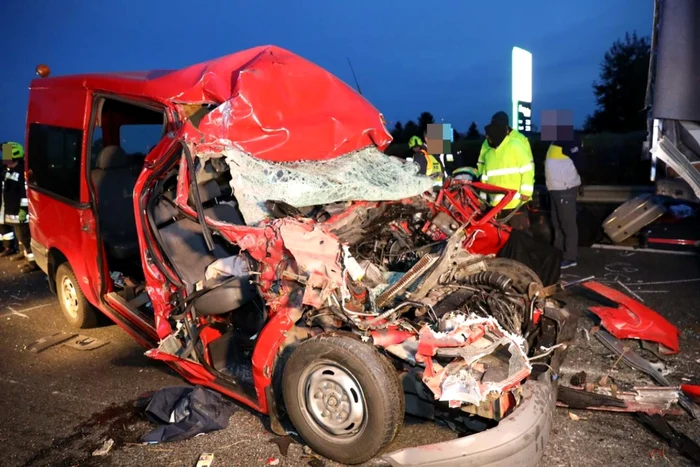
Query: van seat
[
  {"x": 187, "y": 251},
  {"x": 114, "y": 183}
]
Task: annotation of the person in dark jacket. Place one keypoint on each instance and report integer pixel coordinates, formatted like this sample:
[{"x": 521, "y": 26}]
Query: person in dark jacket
[
  {"x": 561, "y": 166},
  {"x": 7, "y": 233},
  {"x": 16, "y": 204}
]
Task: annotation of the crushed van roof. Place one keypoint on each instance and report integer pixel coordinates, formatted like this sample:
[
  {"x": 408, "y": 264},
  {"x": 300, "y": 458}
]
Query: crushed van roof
[{"x": 270, "y": 103}]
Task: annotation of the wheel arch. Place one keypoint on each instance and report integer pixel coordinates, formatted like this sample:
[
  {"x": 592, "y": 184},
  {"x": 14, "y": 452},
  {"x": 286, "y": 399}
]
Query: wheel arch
[{"x": 55, "y": 259}]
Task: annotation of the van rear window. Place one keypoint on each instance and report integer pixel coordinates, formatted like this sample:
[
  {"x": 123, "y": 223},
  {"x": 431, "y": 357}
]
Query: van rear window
[{"x": 54, "y": 159}]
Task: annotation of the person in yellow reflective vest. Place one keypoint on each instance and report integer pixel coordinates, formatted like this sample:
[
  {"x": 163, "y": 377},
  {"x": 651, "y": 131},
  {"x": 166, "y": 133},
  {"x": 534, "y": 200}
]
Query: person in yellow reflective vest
[
  {"x": 429, "y": 165},
  {"x": 501, "y": 118},
  {"x": 508, "y": 164}
]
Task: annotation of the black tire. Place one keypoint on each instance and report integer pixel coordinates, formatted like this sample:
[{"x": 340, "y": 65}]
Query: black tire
[
  {"x": 80, "y": 314},
  {"x": 324, "y": 359}
]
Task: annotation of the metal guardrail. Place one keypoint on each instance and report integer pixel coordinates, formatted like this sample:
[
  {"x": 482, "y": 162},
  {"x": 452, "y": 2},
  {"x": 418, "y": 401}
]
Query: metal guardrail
[
  {"x": 608, "y": 194},
  {"x": 612, "y": 193}
]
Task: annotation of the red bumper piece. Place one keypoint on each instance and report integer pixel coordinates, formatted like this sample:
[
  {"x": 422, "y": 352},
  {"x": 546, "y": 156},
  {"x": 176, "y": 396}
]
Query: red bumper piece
[{"x": 633, "y": 320}]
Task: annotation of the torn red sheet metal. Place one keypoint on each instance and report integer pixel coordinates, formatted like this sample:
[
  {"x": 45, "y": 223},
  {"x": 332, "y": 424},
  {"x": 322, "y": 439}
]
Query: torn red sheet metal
[
  {"x": 429, "y": 341},
  {"x": 633, "y": 320},
  {"x": 273, "y": 102},
  {"x": 692, "y": 391},
  {"x": 476, "y": 375},
  {"x": 317, "y": 256},
  {"x": 390, "y": 336}
]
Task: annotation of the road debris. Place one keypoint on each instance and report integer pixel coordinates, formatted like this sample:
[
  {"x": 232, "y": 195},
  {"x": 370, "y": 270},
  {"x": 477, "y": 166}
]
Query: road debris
[
  {"x": 205, "y": 459},
  {"x": 575, "y": 417},
  {"x": 81, "y": 342},
  {"x": 272, "y": 461},
  {"x": 49, "y": 341},
  {"x": 625, "y": 318},
  {"x": 581, "y": 399},
  {"x": 676, "y": 439},
  {"x": 104, "y": 450},
  {"x": 579, "y": 379},
  {"x": 72, "y": 340},
  {"x": 661, "y": 453},
  {"x": 654, "y": 371},
  {"x": 691, "y": 390},
  {"x": 650, "y": 400}
]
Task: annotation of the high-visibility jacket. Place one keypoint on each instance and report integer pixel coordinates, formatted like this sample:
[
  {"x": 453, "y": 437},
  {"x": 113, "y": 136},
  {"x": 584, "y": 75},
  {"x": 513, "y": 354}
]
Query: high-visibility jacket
[
  {"x": 509, "y": 166},
  {"x": 485, "y": 147},
  {"x": 560, "y": 171},
  {"x": 433, "y": 169}
]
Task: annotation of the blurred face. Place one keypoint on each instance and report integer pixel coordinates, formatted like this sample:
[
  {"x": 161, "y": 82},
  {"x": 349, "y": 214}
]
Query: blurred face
[{"x": 416, "y": 148}]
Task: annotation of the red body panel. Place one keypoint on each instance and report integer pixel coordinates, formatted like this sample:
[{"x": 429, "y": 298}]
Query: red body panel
[
  {"x": 633, "y": 320},
  {"x": 57, "y": 226},
  {"x": 69, "y": 228}
]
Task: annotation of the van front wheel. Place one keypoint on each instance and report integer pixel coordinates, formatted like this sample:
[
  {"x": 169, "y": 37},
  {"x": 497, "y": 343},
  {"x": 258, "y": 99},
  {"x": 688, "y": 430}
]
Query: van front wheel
[
  {"x": 76, "y": 309},
  {"x": 343, "y": 397}
]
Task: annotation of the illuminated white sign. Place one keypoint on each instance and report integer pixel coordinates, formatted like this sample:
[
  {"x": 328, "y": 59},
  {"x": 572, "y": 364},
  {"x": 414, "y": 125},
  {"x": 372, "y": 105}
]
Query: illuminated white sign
[
  {"x": 522, "y": 75},
  {"x": 522, "y": 87}
]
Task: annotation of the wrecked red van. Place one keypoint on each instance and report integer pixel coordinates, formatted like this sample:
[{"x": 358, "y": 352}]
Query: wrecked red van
[{"x": 239, "y": 219}]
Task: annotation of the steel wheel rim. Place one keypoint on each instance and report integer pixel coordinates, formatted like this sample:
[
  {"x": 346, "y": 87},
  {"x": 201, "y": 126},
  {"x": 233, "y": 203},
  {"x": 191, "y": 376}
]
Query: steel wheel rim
[
  {"x": 333, "y": 402},
  {"x": 69, "y": 297}
]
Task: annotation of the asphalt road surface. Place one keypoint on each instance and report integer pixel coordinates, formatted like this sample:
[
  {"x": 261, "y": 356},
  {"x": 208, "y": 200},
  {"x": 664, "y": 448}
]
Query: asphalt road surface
[{"x": 61, "y": 404}]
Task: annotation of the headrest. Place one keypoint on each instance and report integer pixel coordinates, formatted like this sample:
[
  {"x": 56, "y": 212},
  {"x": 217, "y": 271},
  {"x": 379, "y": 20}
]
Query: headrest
[{"x": 112, "y": 157}]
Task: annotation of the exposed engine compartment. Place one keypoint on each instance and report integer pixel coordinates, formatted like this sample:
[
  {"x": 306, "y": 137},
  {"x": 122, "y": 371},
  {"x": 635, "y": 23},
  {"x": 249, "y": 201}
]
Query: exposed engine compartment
[{"x": 458, "y": 321}]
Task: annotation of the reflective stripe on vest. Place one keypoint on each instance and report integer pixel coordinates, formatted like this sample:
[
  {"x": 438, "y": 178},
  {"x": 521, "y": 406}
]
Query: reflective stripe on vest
[
  {"x": 509, "y": 166},
  {"x": 434, "y": 169}
]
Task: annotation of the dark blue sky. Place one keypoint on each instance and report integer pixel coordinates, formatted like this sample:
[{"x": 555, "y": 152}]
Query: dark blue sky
[{"x": 450, "y": 57}]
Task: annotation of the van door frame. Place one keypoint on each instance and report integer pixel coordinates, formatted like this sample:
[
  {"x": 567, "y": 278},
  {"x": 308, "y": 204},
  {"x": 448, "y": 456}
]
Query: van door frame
[{"x": 170, "y": 123}]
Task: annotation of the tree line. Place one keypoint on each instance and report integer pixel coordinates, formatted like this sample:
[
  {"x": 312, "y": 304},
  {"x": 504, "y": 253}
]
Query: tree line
[{"x": 620, "y": 93}]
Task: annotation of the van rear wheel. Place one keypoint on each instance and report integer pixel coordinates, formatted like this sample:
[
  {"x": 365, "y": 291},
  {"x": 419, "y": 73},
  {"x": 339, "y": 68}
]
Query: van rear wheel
[{"x": 75, "y": 307}]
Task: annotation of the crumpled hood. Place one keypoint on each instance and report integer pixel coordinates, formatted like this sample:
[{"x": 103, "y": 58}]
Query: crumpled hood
[{"x": 276, "y": 106}]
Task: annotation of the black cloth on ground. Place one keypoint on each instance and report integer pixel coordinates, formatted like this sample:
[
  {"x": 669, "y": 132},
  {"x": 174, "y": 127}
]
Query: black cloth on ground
[{"x": 184, "y": 411}]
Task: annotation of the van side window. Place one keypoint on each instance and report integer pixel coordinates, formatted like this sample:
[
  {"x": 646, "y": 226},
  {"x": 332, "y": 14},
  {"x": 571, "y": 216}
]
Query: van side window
[{"x": 54, "y": 159}]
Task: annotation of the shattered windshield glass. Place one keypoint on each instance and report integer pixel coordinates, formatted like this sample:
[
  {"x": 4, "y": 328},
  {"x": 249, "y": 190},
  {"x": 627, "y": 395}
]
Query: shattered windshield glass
[{"x": 364, "y": 175}]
